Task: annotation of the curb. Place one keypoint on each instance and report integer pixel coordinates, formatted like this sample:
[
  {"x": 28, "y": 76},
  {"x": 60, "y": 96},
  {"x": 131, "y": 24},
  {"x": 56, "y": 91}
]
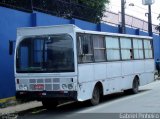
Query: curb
[{"x": 20, "y": 107}]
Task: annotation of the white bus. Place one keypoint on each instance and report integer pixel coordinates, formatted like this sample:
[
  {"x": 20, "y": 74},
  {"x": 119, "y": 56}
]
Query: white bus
[{"x": 64, "y": 62}]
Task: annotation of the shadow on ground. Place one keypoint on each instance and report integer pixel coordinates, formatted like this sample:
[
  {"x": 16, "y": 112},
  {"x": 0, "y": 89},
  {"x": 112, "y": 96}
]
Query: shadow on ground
[{"x": 41, "y": 113}]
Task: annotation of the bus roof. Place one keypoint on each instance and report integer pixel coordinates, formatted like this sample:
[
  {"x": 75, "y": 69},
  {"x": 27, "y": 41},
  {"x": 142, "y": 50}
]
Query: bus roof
[{"x": 24, "y": 31}]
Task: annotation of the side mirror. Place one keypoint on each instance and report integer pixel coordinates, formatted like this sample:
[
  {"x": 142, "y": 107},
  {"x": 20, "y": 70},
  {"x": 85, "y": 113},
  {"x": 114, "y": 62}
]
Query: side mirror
[{"x": 10, "y": 47}]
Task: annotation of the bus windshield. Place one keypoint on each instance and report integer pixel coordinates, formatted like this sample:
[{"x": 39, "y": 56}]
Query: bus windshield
[{"x": 45, "y": 54}]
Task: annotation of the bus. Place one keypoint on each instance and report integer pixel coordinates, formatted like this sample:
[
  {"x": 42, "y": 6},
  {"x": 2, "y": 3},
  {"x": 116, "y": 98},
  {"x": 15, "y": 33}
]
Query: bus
[{"x": 65, "y": 63}]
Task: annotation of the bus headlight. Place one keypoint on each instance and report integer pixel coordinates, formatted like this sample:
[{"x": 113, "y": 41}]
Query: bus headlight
[
  {"x": 23, "y": 87},
  {"x": 70, "y": 86},
  {"x": 20, "y": 87},
  {"x": 64, "y": 86}
]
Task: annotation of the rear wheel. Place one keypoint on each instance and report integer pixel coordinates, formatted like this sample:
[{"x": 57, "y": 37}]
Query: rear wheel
[
  {"x": 49, "y": 104},
  {"x": 134, "y": 89},
  {"x": 95, "y": 96}
]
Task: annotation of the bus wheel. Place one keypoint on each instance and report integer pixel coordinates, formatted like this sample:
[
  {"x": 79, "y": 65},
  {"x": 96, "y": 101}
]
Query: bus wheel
[
  {"x": 95, "y": 96},
  {"x": 135, "y": 87},
  {"x": 49, "y": 104}
]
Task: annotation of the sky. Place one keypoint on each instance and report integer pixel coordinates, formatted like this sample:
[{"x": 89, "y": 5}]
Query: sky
[{"x": 138, "y": 10}]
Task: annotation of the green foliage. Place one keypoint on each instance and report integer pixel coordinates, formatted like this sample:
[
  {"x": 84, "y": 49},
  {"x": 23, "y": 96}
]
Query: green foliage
[
  {"x": 158, "y": 26},
  {"x": 97, "y": 6}
]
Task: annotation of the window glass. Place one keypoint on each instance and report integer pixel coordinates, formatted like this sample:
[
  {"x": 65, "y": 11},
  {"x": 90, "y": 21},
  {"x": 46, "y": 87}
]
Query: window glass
[
  {"x": 147, "y": 44},
  {"x": 140, "y": 45},
  {"x": 135, "y": 43},
  {"x": 126, "y": 48},
  {"x": 99, "y": 48},
  {"x": 99, "y": 55},
  {"x": 141, "y": 56},
  {"x": 136, "y": 54},
  {"x": 85, "y": 48},
  {"x": 126, "y": 54},
  {"x": 138, "y": 48},
  {"x": 112, "y": 42},
  {"x": 112, "y": 48},
  {"x": 45, "y": 54},
  {"x": 148, "y": 49},
  {"x": 125, "y": 43},
  {"x": 113, "y": 55}
]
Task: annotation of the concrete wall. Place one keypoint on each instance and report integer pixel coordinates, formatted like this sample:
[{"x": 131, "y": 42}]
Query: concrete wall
[
  {"x": 9, "y": 21},
  {"x": 12, "y": 19}
]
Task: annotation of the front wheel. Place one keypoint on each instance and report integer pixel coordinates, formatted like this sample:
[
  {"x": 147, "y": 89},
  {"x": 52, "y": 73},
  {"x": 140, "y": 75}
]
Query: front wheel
[{"x": 95, "y": 96}]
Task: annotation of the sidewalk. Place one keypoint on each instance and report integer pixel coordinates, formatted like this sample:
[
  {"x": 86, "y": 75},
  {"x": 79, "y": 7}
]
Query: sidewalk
[{"x": 20, "y": 107}]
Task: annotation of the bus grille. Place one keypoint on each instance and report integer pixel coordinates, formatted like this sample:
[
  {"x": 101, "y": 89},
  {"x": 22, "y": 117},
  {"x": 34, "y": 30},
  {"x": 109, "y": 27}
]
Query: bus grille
[{"x": 49, "y": 84}]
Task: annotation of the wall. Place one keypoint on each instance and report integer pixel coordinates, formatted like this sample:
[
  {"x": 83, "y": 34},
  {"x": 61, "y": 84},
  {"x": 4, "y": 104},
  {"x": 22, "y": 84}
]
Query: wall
[
  {"x": 9, "y": 21},
  {"x": 12, "y": 19}
]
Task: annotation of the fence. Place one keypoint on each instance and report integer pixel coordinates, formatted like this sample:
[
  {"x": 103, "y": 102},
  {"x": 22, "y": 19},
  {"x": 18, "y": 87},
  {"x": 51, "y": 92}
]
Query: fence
[{"x": 131, "y": 21}]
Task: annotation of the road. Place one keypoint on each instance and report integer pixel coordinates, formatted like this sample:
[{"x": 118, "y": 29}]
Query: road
[{"x": 146, "y": 101}]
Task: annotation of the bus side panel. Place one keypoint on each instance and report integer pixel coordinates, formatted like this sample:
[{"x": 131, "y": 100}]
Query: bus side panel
[
  {"x": 114, "y": 69},
  {"x": 86, "y": 81},
  {"x": 128, "y": 74},
  {"x": 138, "y": 66},
  {"x": 114, "y": 80},
  {"x": 149, "y": 65},
  {"x": 146, "y": 78},
  {"x": 100, "y": 71},
  {"x": 148, "y": 75}
]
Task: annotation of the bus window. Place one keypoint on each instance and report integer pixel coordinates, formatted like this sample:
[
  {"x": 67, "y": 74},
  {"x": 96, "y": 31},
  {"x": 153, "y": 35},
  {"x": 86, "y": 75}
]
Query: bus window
[
  {"x": 99, "y": 48},
  {"x": 138, "y": 49},
  {"x": 126, "y": 48},
  {"x": 112, "y": 48},
  {"x": 148, "y": 49},
  {"x": 85, "y": 50}
]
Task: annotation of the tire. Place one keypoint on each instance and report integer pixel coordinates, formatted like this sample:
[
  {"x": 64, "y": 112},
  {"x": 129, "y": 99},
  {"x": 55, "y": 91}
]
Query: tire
[
  {"x": 134, "y": 89},
  {"x": 95, "y": 96},
  {"x": 48, "y": 104}
]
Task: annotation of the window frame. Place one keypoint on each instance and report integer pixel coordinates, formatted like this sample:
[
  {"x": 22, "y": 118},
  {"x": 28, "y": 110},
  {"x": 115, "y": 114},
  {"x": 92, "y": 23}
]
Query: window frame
[
  {"x": 132, "y": 57},
  {"x": 131, "y": 50},
  {"x": 120, "y": 59},
  {"x": 104, "y": 45},
  {"x": 91, "y": 43},
  {"x": 151, "y": 43},
  {"x": 138, "y": 49}
]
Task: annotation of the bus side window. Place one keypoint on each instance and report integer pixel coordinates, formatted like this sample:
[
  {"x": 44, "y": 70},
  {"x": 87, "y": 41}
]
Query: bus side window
[
  {"x": 138, "y": 48},
  {"x": 126, "y": 48},
  {"x": 85, "y": 50}
]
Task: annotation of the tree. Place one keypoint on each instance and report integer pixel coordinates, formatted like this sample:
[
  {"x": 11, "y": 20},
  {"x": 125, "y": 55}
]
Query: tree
[
  {"x": 158, "y": 26},
  {"x": 96, "y": 8}
]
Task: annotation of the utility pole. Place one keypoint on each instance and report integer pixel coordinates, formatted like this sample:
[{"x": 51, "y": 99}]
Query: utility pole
[
  {"x": 149, "y": 3},
  {"x": 149, "y": 21},
  {"x": 123, "y": 30}
]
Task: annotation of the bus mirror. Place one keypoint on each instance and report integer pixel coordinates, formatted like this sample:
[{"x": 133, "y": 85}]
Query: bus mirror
[
  {"x": 10, "y": 47},
  {"x": 85, "y": 49}
]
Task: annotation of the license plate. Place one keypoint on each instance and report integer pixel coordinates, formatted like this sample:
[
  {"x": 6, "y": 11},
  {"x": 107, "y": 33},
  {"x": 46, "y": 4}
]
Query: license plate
[{"x": 39, "y": 86}]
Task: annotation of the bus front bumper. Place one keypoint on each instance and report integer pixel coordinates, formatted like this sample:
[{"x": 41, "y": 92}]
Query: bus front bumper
[{"x": 41, "y": 95}]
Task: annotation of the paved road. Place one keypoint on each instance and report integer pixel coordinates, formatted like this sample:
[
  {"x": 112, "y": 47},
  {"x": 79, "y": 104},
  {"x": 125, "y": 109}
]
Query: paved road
[{"x": 146, "y": 101}]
